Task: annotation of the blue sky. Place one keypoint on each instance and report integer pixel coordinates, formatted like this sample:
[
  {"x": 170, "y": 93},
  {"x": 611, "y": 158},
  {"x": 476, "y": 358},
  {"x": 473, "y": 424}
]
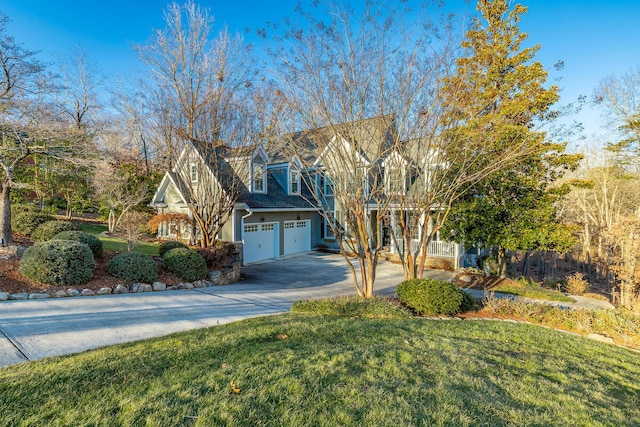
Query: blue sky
[{"x": 594, "y": 38}]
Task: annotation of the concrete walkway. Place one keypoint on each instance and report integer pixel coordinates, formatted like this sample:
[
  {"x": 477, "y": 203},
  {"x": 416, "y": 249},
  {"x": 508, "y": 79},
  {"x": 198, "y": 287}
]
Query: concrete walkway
[{"x": 35, "y": 329}]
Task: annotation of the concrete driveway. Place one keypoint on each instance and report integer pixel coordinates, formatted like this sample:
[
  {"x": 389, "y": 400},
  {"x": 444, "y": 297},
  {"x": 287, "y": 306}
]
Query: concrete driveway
[{"x": 35, "y": 329}]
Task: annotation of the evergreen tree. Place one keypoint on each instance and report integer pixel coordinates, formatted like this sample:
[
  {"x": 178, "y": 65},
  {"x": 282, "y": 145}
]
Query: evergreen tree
[{"x": 500, "y": 100}]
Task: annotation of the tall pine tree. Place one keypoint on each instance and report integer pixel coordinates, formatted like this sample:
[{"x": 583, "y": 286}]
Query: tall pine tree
[{"x": 500, "y": 101}]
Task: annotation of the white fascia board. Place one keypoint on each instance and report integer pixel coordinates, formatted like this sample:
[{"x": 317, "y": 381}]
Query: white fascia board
[
  {"x": 286, "y": 210},
  {"x": 345, "y": 144},
  {"x": 394, "y": 157}
]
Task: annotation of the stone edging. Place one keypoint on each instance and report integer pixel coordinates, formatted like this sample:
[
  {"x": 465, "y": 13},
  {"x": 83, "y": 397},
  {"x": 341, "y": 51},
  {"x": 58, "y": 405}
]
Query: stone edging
[
  {"x": 134, "y": 288},
  {"x": 227, "y": 275}
]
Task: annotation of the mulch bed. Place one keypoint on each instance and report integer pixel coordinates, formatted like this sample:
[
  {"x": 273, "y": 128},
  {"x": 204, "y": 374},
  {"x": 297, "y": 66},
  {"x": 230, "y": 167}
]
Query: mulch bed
[{"x": 12, "y": 281}]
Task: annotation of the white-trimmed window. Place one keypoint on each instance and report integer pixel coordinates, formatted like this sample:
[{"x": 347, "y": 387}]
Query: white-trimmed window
[
  {"x": 328, "y": 229},
  {"x": 396, "y": 183},
  {"x": 328, "y": 186},
  {"x": 294, "y": 181},
  {"x": 193, "y": 172},
  {"x": 259, "y": 183}
]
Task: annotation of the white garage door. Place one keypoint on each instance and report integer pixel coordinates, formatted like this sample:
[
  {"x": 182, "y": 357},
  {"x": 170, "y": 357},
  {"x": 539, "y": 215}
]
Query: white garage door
[
  {"x": 297, "y": 236},
  {"x": 260, "y": 241}
]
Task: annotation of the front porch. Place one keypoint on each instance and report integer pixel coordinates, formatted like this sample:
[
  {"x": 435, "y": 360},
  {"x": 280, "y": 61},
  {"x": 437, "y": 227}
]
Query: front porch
[{"x": 452, "y": 254}]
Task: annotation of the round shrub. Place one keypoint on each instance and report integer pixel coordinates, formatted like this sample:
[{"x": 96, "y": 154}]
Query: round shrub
[
  {"x": 25, "y": 219},
  {"x": 186, "y": 264},
  {"x": 171, "y": 244},
  {"x": 47, "y": 230},
  {"x": 218, "y": 255},
  {"x": 58, "y": 262},
  {"x": 431, "y": 297},
  {"x": 133, "y": 267},
  {"x": 90, "y": 240}
]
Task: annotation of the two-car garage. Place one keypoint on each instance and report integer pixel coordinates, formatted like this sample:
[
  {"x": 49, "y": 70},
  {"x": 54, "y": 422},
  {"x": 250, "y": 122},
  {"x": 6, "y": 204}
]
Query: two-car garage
[{"x": 262, "y": 240}]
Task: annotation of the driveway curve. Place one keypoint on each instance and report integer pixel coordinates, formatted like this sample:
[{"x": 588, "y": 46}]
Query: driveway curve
[{"x": 35, "y": 329}]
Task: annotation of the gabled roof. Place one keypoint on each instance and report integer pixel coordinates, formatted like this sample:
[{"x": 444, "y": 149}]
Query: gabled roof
[
  {"x": 372, "y": 138},
  {"x": 276, "y": 197},
  {"x": 168, "y": 179}
]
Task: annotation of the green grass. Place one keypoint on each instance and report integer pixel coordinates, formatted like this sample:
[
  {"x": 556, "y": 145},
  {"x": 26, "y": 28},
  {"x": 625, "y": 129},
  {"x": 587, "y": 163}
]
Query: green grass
[
  {"x": 120, "y": 245},
  {"x": 110, "y": 243},
  {"x": 354, "y": 306},
  {"x": 300, "y": 369},
  {"x": 535, "y": 292},
  {"x": 92, "y": 227}
]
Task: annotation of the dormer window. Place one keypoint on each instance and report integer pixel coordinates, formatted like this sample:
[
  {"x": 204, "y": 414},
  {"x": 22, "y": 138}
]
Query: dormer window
[
  {"x": 193, "y": 172},
  {"x": 259, "y": 178},
  {"x": 395, "y": 181},
  {"x": 294, "y": 181}
]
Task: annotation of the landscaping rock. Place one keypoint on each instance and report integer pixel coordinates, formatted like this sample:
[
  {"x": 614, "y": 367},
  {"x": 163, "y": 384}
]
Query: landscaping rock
[
  {"x": 73, "y": 292},
  {"x": 213, "y": 275},
  {"x": 465, "y": 279},
  {"x": 19, "y": 296},
  {"x": 137, "y": 288},
  {"x": 4, "y": 296},
  {"x": 173, "y": 288},
  {"x": 185, "y": 285},
  {"x": 104, "y": 291},
  {"x": 38, "y": 295},
  {"x": 159, "y": 286},
  {"x": 12, "y": 251},
  {"x": 59, "y": 294},
  {"x": 200, "y": 284},
  {"x": 121, "y": 289},
  {"x": 87, "y": 293},
  {"x": 601, "y": 338}
]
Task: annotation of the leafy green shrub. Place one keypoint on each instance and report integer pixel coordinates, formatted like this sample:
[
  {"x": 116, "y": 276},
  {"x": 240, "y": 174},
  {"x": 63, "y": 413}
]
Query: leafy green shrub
[
  {"x": 80, "y": 236},
  {"x": 58, "y": 262},
  {"x": 171, "y": 244},
  {"x": 47, "y": 230},
  {"x": 25, "y": 219},
  {"x": 431, "y": 297},
  {"x": 368, "y": 308},
  {"x": 133, "y": 267},
  {"x": 185, "y": 263},
  {"x": 470, "y": 303},
  {"x": 217, "y": 255},
  {"x": 576, "y": 284}
]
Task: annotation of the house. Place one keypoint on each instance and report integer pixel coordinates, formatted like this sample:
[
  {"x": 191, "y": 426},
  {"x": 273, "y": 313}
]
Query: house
[{"x": 274, "y": 210}]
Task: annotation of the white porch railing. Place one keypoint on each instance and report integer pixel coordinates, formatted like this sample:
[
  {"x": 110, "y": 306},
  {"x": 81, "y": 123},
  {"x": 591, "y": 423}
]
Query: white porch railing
[{"x": 440, "y": 249}]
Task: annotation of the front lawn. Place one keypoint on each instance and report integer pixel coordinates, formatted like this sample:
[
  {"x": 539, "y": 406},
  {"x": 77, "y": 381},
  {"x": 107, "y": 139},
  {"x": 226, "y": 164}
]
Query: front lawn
[
  {"x": 116, "y": 244},
  {"x": 302, "y": 369}
]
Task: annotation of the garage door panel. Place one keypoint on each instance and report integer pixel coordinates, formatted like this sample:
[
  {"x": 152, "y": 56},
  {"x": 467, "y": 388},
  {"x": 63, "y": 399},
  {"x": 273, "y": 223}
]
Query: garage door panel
[
  {"x": 259, "y": 242},
  {"x": 297, "y": 236}
]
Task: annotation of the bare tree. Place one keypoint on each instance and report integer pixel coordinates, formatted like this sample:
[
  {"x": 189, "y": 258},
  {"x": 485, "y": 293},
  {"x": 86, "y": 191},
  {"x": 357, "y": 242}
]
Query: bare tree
[
  {"x": 620, "y": 96},
  {"x": 207, "y": 83},
  {"x": 367, "y": 85},
  {"x": 80, "y": 83},
  {"x": 28, "y": 125},
  {"x": 119, "y": 191}
]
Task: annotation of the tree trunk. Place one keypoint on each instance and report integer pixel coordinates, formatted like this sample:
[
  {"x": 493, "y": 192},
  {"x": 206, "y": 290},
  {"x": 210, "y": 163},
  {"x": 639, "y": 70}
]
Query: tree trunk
[
  {"x": 525, "y": 263},
  {"x": 5, "y": 214},
  {"x": 502, "y": 262}
]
